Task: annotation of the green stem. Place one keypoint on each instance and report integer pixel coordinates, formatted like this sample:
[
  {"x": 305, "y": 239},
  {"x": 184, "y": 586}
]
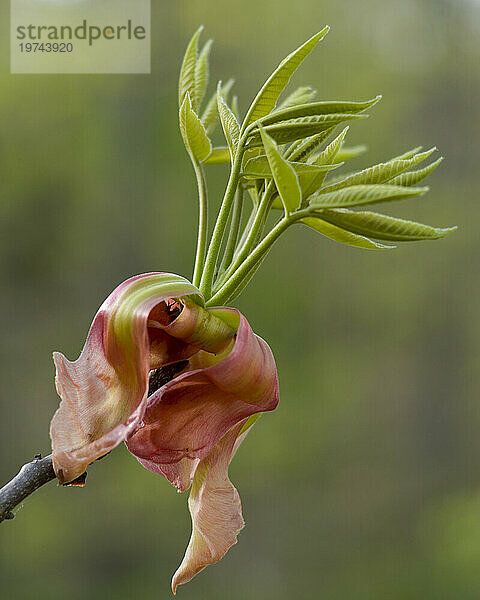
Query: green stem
[
  {"x": 220, "y": 225},
  {"x": 202, "y": 222},
  {"x": 233, "y": 232},
  {"x": 253, "y": 233},
  {"x": 245, "y": 231},
  {"x": 226, "y": 291}
]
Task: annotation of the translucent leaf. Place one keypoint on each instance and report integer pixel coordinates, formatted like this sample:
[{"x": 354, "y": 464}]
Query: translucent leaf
[
  {"x": 266, "y": 98},
  {"x": 345, "y": 154},
  {"x": 284, "y": 175},
  {"x": 356, "y": 195},
  {"x": 341, "y": 235},
  {"x": 194, "y": 135},
  {"x": 209, "y": 116},
  {"x": 414, "y": 177},
  {"x": 302, "y": 95},
  {"x": 316, "y": 108},
  {"x": 259, "y": 168},
  {"x": 380, "y": 173},
  {"x": 186, "y": 82},
  {"x": 288, "y": 131},
  {"x": 202, "y": 74},
  {"x": 301, "y": 150},
  {"x": 383, "y": 227},
  {"x": 230, "y": 125},
  {"x": 218, "y": 156}
]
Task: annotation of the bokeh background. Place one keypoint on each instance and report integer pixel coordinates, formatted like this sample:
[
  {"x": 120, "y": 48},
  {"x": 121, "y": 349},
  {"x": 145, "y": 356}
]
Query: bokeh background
[{"x": 365, "y": 483}]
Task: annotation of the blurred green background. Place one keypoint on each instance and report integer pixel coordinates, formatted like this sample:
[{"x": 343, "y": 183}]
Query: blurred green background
[{"x": 365, "y": 483}]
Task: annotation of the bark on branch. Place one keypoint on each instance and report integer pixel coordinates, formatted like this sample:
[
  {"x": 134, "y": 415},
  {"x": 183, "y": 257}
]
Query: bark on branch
[
  {"x": 31, "y": 476},
  {"x": 40, "y": 470}
]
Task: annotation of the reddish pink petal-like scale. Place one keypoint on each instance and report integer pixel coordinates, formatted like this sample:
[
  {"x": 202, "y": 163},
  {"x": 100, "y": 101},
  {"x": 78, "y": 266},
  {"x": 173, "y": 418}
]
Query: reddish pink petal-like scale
[
  {"x": 215, "y": 509},
  {"x": 191, "y": 429},
  {"x": 104, "y": 391},
  {"x": 186, "y": 417}
]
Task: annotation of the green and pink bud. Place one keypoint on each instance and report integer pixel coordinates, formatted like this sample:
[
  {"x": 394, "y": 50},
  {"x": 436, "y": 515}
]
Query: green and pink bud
[{"x": 188, "y": 429}]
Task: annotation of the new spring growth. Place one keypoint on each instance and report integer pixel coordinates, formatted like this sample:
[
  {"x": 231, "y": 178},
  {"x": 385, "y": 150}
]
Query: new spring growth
[{"x": 286, "y": 157}]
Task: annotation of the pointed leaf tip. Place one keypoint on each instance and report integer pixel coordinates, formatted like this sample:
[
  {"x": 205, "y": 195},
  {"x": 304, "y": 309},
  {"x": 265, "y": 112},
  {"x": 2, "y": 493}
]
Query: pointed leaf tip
[
  {"x": 338, "y": 234},
  {"x": 230, "y": 126},
  {"x": 267, "y": 97},
  {"x": 210, "y": 114},
  {"x": 201, "y": 75},
  {"x": 382, "y": 172},
  {"x": 186, "y": 81},
  {"x": 357, "y": 195},
  {"x": 383, "y": 227},
  {"x": 414, "y": 177}
]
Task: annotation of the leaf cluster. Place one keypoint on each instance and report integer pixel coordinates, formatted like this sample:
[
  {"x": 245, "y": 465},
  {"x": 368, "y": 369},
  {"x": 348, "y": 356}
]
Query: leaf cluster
[{"x": 284, "y": 155}]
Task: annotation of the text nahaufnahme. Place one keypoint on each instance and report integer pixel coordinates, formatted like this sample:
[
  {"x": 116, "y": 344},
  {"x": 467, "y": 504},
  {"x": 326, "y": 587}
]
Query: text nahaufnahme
[{"x": 84, "y": 31}]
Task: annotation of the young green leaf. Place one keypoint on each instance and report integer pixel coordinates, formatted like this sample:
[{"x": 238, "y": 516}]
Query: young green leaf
[
  {"x": 218, "y": 156},
  {"x": 202, "y": 75},
  {"x": 194, "y": 135},
  {"x": 415, "y": 177},
  {"x": 252, "y": 153},
  {"x": 341, "y": 235},
  {"x": 356, "y": 195},
  {"x": 235, "y": 107},
  {"x": 230, "y": 126},
  {"x": 316, "y": 108},
  {"x": 311, "y": 181},
  {"x": 186, "y": 82},
  {"x": 408, "y": 153},
  {"x": 339, "y": 178},
  {"x": 209, "y": 116},
  {"x": 345, "y": 154},
  {"x": 302, "y": 95},
  {"x": 267, "y": 97},
  {"x": 284, "y": 175},
  {"x": 383, "y": 227},
  {"x": 288, "y": 131},
  {"x": 301, "y": 150},
  {"x": 380, "y": 173},
  {"x": 259, "y": 168},
  {"x": 329, "y": 155}
]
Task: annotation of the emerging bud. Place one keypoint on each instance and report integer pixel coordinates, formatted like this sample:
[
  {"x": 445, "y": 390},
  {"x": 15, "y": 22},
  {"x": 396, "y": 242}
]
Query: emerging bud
[
  {"x": 188, "y": 429},
  {"x": 104, "y": 391}
]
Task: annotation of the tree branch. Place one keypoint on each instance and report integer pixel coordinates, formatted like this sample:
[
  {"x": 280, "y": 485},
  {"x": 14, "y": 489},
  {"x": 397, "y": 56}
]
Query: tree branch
[
  {"x": 31, "y": 476},
  {"x": 40, "y": 470}
]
